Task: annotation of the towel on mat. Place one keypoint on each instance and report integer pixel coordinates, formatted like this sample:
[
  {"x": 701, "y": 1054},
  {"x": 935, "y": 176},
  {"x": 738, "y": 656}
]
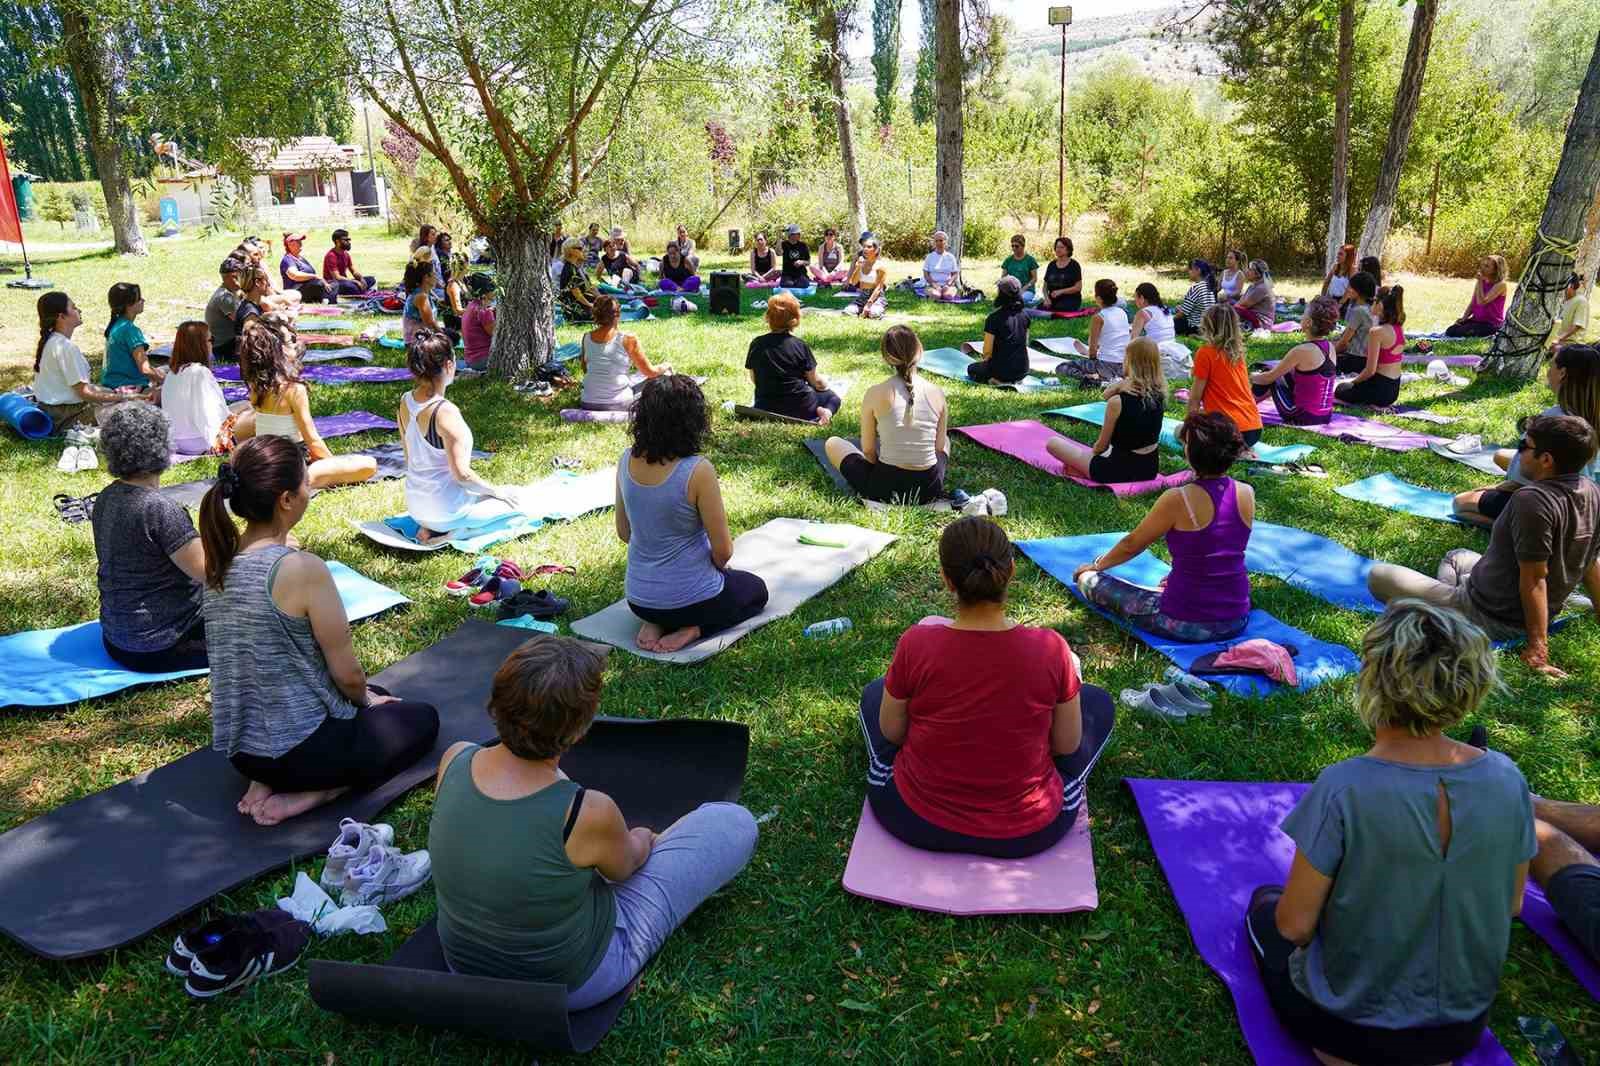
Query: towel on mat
[{"x": 561, "y": 496}]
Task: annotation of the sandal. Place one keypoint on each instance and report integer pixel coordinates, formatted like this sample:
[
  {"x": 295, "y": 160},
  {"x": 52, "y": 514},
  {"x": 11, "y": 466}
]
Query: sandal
[
  {"x": 495, "y": 590},
  {"x": 483, "y": 568},
  {"x": 75, "y": 509}
]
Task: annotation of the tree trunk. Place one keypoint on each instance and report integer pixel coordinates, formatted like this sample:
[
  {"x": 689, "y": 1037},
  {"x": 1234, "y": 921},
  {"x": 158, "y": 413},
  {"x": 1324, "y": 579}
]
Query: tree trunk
[
  {"x": 833, "y": 28},
  {"x": 949, "y": 199},
  {"x": 1339, "y": 213},
  {"x": 95, "y": 58},
  {"x": 1406, "y": 98},
  {"x": 1589, "y": 250},
  {"x": 524, "y": 326},
  {"x": 1519, "y": 345}
]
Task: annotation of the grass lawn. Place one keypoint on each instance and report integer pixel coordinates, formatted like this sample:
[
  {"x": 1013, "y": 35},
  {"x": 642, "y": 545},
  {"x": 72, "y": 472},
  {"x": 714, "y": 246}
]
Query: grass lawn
[{"x": 783, "y": 966}]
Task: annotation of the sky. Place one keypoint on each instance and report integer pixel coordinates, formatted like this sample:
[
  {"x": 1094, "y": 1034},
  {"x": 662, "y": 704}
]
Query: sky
[{"x": 1029, "y": 16}]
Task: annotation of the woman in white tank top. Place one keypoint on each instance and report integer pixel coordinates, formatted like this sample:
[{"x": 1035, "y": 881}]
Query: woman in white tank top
[
  {"x": 1153, "y": 320},
  {"x": 1109, "y": 334},
  {"x": 444, "y": 496},
  {"x": 610, "y": 359},
  {"x": 905, "y": 441}
]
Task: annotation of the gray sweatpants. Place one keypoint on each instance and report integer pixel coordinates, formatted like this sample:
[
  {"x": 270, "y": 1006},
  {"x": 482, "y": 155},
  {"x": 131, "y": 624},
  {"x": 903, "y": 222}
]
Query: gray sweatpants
[{"x": 695, "y": 856}]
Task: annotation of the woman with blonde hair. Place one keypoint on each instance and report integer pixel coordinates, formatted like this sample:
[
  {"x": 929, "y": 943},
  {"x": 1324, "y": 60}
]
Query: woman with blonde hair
[
  {"x": 1221, "y": 380},
  {"x": 784, "y": 370},
  {"x": 905, "y": 440},
  {"x": 1127, "y": 449},
  {"x": 1486, "y": 311},
  {"x": 610, "y": 360},
  {"x": 1361, "y": 972}
]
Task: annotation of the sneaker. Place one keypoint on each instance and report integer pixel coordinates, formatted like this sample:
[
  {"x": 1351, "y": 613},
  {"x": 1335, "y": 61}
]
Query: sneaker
[
  {"x": 261, "y": 947},
  {"x": 87, "y": 459},
  {"x": 541, "y": 605},
  {"x": 496, "y": 589},
  {"x": 384, "y": 876},
  {"x": 997, "y": 501},
  {"x": 977, "y": 505},
  {"x": 355, "y": 840},
  {"x": 68, "y": 463},
  {"x": 193, "y": 941},
  {"x": 482, "y": 570}
]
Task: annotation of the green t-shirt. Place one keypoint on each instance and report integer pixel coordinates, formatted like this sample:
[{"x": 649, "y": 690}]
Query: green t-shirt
[
  {"x": 1021, "y": 269},
  {"x": 120, "y": 369}
]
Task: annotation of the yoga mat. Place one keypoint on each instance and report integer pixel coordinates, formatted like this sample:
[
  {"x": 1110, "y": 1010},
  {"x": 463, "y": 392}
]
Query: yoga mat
[
  {"x": 1217, "y": 841},
  {"x": 817, "y": 446},
  {"x": 950, "y": 363},
  {"x": 1038, "y": 312},
  {"x": 391, "y": 340},
  {"x": 577, "y": 414},
  {"x": 656, "y": 771},
  {"x": 1025, "y": 440},
  {"x": 1538, "y": 916},
  {"x": 329, "y": 426},
  {"x": 391, "y": 458},
  {"x": 1311, "y": 563},
  {"x": 1352, "y": 430},
  {"x": 51, "y": 667},
  {"x": 1041, "y": 364},
  {"x": 22, "y": 415},
  {"x": 1386, "y": 490},
  {"x": 1317, "y": 661},
  {"x": 562, "y": 495},
  {"x": 794, "y": 573},
  {"x": 330, "y": 375},
  {"x": 1059, "y": 880},
  {"x": 333, "y": 355},
  {"x": 105, "y": 870},
  {"x": 1401, "y": 410},
  {"x": 756, "y": 414},
  {"x": 1095, "y": 414},
  {"x": 1480, "y": 458}
]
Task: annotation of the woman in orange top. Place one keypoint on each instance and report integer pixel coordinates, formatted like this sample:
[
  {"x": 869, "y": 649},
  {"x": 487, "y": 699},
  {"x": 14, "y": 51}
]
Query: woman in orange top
[{"x": 1221, "y": 380}]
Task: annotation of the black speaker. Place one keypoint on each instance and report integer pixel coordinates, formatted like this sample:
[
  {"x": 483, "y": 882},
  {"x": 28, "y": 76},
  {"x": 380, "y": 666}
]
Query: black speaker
[{"x": 725, "y": 286}]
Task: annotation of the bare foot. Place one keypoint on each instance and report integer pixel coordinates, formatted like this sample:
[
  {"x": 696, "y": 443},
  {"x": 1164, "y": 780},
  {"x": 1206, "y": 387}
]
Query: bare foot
[
  {"x": 649, "y": 636},
  {"x": 824, "y": 416},
  {"x": 678, "y": 639},
  {"x": 284, "y": 805},
  {"x": 253, "y": 797},
  {"x": 428, "y": 536}
]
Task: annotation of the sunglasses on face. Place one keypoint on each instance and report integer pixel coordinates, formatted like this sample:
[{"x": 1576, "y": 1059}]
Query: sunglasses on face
[{"x": 1527, "y": 445}]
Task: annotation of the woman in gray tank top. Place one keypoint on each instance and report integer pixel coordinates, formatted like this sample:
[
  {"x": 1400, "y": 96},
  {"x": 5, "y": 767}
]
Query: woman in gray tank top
[
  {"x": 670, "y": 515},
  {"x": 1410, "y": 861},
  {"x": 290, "y": 703}
]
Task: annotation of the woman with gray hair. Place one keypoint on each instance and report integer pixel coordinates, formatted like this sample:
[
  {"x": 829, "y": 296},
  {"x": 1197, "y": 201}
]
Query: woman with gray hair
[{"x": 151, "y": 563}]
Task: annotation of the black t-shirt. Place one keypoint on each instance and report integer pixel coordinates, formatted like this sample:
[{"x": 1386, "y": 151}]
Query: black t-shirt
[
  {"x": 1059, "y": 277},
  {"x": 613, "y": 264},
  {"x": 676, "y": 274},
  {"x": 781, "y": 362},
  {"x": 246, "y": 310},
  {"x": 796, "y": 257},
  {"x": 1139, "y": 424},
  {"x": 1009, "y": 325}
]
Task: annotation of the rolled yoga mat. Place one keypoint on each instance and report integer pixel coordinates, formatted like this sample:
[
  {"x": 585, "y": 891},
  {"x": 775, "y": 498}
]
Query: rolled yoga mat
[
  {"x": 656, "y": 771},
  {"x": 1025, "y": 440},
  {"x": 24, "y": 416},
  {"x": 107, "y": 869}
]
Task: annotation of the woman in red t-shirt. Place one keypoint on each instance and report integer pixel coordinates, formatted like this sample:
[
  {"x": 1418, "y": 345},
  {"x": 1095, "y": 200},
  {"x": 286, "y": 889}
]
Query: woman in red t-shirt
[{"x": 981, "y": 736}]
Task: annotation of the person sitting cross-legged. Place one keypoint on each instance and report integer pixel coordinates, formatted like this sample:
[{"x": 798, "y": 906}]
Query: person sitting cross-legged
[
  {"x": 1130, "y": 437},
  {"x": 941, "y": 274},
  {"x": 298, "y": 275},
  {"x": 1258, "y": 304},
  {"x": 290, "y": 705},
  {"x": 1301, "y": 384},
  {"x": 339, "y": 271},
  {"x": 1206, "y": 524},
  {"x": 1377, "y": 384},
  {"x": 670, "y": 515},
  {"x": 541, "y": 879},
  {"x": 677, "y": 273},
  {"x": 1109, "y": 333},
  {"x": 1024, "y": 267},
  {"x": 1005, "y": 338},
  {"x": 1387, "y": 943},
  {"x": 905, "y": 440},
  {"x": 765, "y": 268},
  {"x": 981, "y": 737},
  {"x": 610, "y": 359},
  {"x": 1566, "y": 867},
  {"x": 784, "y": 370},
  {"x": 1486, "y": 310},
  {"x": 828, "y": 268},
  {"x": 794, "y": 256},
  {"x": 1543, "y": 546}
]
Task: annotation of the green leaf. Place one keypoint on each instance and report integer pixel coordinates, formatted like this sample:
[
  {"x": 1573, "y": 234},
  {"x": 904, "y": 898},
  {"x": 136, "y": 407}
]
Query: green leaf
[{"x": 857, "y": 1005}]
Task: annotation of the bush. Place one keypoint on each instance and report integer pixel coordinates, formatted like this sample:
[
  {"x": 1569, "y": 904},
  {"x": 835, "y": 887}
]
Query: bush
[{"x": 427, "y": 196}]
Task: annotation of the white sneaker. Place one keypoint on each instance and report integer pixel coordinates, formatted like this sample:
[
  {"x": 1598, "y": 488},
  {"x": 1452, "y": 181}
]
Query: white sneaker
[
  {"x": 384, "y": 876},
  {"x": 68, "y": 463},
  {"x": 997, "y": 501},
  {"x": 87, "y": 459},
  {"x": 350, "y": 848},
  {"x": 977, "y": 505}
]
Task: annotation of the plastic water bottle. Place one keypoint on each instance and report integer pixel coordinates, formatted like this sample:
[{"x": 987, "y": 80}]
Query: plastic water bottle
[{"x": 817, "y": 630}]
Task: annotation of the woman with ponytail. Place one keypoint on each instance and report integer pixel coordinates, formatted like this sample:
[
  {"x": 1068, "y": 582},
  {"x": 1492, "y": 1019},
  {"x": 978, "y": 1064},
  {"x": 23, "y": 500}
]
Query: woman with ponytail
[
  {"x": 905, "y": 441},
  {"x": 1198, "y": 300},
  {"x": 981, "y": 736},
  {"x": 127, "y": 351},
  {"x": 290, "y": 703},
  {"x": 61, "y": 385}
]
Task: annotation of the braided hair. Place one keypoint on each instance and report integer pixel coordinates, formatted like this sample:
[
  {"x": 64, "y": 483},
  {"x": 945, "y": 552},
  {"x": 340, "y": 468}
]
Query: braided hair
[
  {"x": 51, "y": 306},
  {"x": 902, "y": 350}
]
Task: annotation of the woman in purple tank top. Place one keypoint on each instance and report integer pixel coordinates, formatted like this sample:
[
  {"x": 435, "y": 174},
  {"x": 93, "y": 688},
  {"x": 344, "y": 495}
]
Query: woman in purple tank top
[
  {"x": 1486, "y": 311},
  {"x": 1206, "y": 524},
  {"x": 1301, "y": 384}
]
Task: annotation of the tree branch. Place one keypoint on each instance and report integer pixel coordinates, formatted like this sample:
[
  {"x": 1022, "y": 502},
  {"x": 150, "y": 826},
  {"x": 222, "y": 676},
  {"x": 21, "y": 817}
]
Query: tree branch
[{"x": 491, "y": 111}]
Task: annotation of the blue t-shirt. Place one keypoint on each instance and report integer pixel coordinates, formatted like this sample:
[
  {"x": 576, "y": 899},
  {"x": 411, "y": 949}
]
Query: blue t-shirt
[{"x": 125, "y": 337}]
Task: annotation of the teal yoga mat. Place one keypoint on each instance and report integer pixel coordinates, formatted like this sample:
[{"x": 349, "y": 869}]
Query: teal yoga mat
[
  {"x": 951, "y": 363},
  {"x": 1386, "y": 490},
  {"x": 1095, "y": 414}
]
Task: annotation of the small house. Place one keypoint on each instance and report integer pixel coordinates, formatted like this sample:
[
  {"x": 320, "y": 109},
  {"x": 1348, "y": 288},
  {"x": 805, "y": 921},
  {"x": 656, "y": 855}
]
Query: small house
[{"x": 304, "y": 179}]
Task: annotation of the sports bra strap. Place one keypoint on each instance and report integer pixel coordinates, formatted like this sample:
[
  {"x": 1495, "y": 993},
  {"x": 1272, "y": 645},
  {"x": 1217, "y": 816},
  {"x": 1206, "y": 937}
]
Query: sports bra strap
[
  {"x": 572, "y": 816},
  {"x": 1183, "y": 494}
]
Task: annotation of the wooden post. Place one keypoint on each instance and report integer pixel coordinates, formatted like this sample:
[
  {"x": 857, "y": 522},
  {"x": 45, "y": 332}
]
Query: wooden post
[
  {"x": 1061, "y": 144},
  {"x": 1433, "y": 208}
]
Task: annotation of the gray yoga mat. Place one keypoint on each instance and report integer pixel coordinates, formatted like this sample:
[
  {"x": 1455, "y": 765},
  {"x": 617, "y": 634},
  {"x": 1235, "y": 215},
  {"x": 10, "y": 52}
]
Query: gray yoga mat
[
  {"x": 794, "y": 573},
  {"x": 1480, "y": 458},
  {"x": 107, "y": 869},
  {"x": 657, "y": 772}
]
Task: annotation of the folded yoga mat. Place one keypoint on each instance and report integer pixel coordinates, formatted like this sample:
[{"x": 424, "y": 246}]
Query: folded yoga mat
[
  {"x": 578, "y": 414},
  {"x": 1316, "y": 662},
  {"x": 107, "y": 869},
  {"x": 950, "y": 363},
  {"x": 1389, "y": 491},
  {"x": 1095, "y": 414},
  {"x": 331, "y": 375},
  {"x": 1058, "y": 880},
  {"x": 1480, "y": 458},
  {"x": 1026, "y": 440},
  {"x": 656, "y": 771},
  {"x": 50, "y": 667},
  {"x": 794, "y": 573},
  {"x": 563, "y": 495},
  {"x": 1216, "y": 842}
]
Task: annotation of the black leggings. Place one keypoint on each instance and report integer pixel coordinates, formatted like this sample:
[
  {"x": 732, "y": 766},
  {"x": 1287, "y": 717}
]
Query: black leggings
[
  {"x": 1470, "y": 328},
  {"x": 358, "y": 752},
  {"x": 804, "y": 407},
  {"x": 984, "y": 373},
  {"x": 1376, "y": 391},
  {"x": 907, "y": 826},
  {"x": 316, "y": 291},
  {"x": 887, "y": 483},
  {"x": 1123, "y": 466},
  {"x": 189, "y": 653},
  {"x": 743, "y": 596},
  {"x": 1366, "y": 1045}
]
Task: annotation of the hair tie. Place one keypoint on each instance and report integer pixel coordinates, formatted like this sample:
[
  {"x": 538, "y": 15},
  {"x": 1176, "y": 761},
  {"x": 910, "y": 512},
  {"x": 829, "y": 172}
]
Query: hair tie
[
  {"x": 227, "y": 479},
  {"x": 984, "y": 559}
]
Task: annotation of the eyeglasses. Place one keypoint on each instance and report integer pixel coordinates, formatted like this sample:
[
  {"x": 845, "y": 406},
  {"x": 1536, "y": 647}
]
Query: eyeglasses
[{"x": 1527, "y": 445}]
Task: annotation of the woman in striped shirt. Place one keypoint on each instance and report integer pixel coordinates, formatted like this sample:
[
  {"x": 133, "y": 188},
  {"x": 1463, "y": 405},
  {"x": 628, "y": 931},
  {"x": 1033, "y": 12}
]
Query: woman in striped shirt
[{"x": 1201, "y": 295}]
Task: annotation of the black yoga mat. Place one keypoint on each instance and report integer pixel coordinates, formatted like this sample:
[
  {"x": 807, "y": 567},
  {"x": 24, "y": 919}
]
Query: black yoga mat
[
  {"x": 391, "y": 464},
  {"x": 657, "y": 772},
  {"x": 758, "y": 415},
  {"x": 107, "y": 869},
  {"x": 818, "y": 449}
]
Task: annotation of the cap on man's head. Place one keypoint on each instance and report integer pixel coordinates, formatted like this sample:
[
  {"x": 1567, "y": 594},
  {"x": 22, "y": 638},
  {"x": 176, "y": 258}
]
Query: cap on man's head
[
  {"x": 287, "y": 237},
  {"x": 230, "y": 265},
  {"x": 616, "y": 231},
  {"x": 341, "y": 234},
  {"x": 791, "y": 229},
  {"x": 1009, "y": 286}
]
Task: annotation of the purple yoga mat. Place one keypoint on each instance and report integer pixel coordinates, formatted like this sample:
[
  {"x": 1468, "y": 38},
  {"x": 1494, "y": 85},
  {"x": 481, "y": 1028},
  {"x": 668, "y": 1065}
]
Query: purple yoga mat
[
  {"x": 1537, "y": 915},
  {"x": 340, "y": 425},
  {"x": 1026, "y": 439},
  {"x": 330, "y": 375},
  {"x": 1353, "y": 430},
  {"x": 1216, "y": 842}
]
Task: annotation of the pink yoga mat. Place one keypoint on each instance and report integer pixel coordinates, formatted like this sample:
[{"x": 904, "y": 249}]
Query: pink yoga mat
[
  {"x": 1026, "y": 439},
  {"x": 1216, "y": 842},
  {"x": 1056, "y": 881}
]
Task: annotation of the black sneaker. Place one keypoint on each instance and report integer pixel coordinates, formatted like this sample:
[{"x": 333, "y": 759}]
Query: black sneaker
[
  {"x": 541, "y": 605},
  {"x": 257, "y": 949},
  {"x": 193, "y": 941}
]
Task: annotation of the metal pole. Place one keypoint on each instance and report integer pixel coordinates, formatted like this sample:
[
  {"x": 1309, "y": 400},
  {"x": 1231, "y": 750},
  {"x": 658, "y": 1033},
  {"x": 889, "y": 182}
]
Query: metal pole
[{"x": 1061, "y": 145}]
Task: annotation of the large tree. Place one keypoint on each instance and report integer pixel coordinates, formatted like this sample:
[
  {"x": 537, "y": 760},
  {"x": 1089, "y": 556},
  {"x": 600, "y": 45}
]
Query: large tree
[
  {"x": 1519, "y": 346},
  {"x": 93, "y": 48},
  {"x": 1338, "y": 215},
  {"x": 885, "y": 58},
  {"x": 1407, "y": 98},
  {"x": 949, "y": 136}
]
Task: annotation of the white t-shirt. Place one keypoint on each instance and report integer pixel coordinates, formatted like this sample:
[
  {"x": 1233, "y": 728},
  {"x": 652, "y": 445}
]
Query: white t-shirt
[
  {"x": 940, "y": 267},
  {"x": 193, "y": 403},
  {"x": 61, "y": 366},
  {"x": 1114, "y": 333}
]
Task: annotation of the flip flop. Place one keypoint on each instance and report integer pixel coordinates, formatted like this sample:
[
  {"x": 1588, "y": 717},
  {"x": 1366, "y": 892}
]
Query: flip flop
[{"x": 1150, "y": 700}]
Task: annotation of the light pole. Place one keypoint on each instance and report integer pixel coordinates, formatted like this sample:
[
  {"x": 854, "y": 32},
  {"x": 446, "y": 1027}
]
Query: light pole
[{"x": 1062, "y": 16}]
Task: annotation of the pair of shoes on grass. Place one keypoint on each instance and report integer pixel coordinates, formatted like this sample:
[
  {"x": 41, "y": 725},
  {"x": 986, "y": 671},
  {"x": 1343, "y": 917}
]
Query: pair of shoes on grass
[
  {"x": 1182, "y": 696},
  {"x": 489, "y": 581},
  {"x": 365, "y": 868},
  {"x": 237, "y": 949}
]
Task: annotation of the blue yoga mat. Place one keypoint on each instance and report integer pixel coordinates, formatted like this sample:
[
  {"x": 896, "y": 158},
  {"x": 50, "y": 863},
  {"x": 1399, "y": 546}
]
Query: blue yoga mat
[
  {"x": 1095, "y": 414},
  {"x": 1386, "y": 490},
  {"x": 49, "y": 667},
  {"x": 389, "y": 340},
  {"x": 497, "y": 530},
  {"x": 1311, "y": 563},
  {"x": 952, "y": 363},
  {"x": 25, "y": 417},
  {"x": 1317, "y": 661}
]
